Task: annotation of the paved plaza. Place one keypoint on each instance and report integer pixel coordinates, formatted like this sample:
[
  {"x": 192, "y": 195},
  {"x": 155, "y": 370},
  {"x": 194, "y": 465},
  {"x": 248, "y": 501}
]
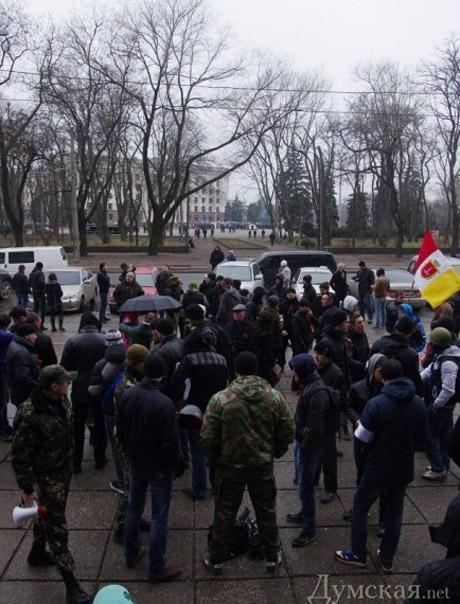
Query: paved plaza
[{"x": 91, "y": 510}]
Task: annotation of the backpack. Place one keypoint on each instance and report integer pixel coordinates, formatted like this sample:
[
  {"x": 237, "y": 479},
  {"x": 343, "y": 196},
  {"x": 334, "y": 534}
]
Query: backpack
[{"x": 246, "y": 537}]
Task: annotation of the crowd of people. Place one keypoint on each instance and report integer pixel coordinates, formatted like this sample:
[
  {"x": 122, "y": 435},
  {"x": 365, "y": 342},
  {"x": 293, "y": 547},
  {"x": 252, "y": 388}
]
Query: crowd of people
[{"x": 199, "y": 389}]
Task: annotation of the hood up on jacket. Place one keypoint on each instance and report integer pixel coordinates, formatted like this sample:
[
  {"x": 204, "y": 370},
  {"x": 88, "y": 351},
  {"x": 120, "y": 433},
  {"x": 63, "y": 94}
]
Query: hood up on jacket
[
  {"x": 350, "y": 304},
  {"x": 257, "y": 295},
  {"x": 371, "y": 363},
  {"x": 409, "y": 311},
  {"x": 402, "y": 389},
  {"x": 452, "y": 352}
]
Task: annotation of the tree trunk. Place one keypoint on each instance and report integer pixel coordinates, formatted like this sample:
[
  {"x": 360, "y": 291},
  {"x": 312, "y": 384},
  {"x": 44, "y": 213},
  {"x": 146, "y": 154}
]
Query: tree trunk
[
  {"x": 18, "y": 237},
  {"x": 399, "y": 241},
  {"x": 82, "y": 222},
  {"x": 454, "y": 230},
  {"x": 156, "y": 237}
]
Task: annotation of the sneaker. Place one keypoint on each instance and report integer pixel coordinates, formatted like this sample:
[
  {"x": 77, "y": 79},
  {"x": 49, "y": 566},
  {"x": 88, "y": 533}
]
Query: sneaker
[
  {"x": 328, "y": 497},
  {"x": 215, "y": 569},
  {"x": 61, "y": 328},
  {"x": 345, "y": 556},
  {"x": 131, "y": 562},
  {"x": 386, "y": 567},
  {"x": 117, "y": 487},
  {"x": 303, "y": 539},
  {"x": 53, "y": 329},
  {"x": 169, "y": 573},
  {"x": 76, "y": 595},
  {"x": 273, "y": 562},
  {"x": 295, "y": 518},
  {"x": 434, "y": 476}
]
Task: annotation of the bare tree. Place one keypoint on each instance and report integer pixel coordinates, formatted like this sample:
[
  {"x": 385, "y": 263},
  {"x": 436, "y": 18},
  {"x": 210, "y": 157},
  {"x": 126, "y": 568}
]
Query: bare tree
[
  {"x": 442, "y": 79},
  {"x": 92, "y": 110},
  {"x": 382, "y": 123},
  {"x": 192, "y": 110}
]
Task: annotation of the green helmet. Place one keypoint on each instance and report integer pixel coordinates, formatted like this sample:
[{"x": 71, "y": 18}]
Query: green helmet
[
  {"x": 440, "y": 336},
  {"x": 113, "y": 594}
]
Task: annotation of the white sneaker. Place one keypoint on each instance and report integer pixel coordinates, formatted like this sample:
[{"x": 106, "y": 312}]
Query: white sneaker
[{"x": 434, "y": 476}]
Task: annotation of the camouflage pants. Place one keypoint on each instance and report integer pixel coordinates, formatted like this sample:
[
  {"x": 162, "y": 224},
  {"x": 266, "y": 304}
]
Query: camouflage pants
[
  {"x": 229, "y": 491},
  {"x": 52, "y": 528}
]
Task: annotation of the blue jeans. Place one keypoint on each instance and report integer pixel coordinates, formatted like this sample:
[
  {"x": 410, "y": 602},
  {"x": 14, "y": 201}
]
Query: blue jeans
[
  {"x": 160, "y": 491},
  {"x": 440, "y": 425},
  {"x": 307, "y": 466},
  {"x": 369, "y": 490},
  {"x": 365, "y": 305},
  {"x": 110, "y": 426},
  {"x": 199, "y": 472},
  {"x": 23, "y": 300},
  {"x": 380, "y": 312},
  {"x": 102, "y": 305}
]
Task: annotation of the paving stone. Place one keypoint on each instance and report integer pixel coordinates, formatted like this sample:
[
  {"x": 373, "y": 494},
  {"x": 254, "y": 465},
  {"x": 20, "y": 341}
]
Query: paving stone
[
  {"x": 318, "y": 557},
  {"x": 10, "y": 542},
  {"x": 181, "y": 511},
  {"x": 268, "y": 591},
  {"x": 8, "y": 500},
  {"x": 179, "y": 553},
  {"x": 421, "y": 464},
  {"x": 33, "y": 592},
  {"x": 432, "y": 501},
  {"x": 91, "y": 479},
  {"x": 7, "y": 477},
  {"x": 87, "y": 548},
  {"x": 414, "y": 550},
  {"x": 399, "y": 585},
  {"x": 284, "y": 474},
  {"x": 4, "y": 450},
  {"x": 90, "y": 510},
  {"x": 240, "y": 567}
]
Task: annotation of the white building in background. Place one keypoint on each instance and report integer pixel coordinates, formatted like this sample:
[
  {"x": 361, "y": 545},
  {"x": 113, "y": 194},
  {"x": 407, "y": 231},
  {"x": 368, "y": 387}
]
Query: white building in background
[{"x": 207, "y": 206}]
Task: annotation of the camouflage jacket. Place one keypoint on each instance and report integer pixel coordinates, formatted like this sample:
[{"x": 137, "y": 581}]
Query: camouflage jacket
[
  {"x": 42, "y": 440},
  {"x": 247, "y": 424}
]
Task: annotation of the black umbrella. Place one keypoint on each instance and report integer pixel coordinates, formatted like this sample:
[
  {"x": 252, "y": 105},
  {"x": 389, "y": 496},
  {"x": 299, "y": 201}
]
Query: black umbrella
[{"x": 150, "y": 303}]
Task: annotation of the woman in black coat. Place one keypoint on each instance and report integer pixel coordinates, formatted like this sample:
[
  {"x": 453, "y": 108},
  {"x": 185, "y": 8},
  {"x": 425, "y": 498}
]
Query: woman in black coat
[{"x": 54, "y": 295}]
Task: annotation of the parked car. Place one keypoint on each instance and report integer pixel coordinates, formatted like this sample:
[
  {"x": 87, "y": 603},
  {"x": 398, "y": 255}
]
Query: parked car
[
  {"x": 318, "y": 275},
  {"x": 245, "y": 271},
  {"x": 455, "y": 262},
  {"x": 146, "y": 277},
  {"x": 400, "y": 281},
  {"x": 79, "y": 287},
  {"x": 269, "y": 262}
]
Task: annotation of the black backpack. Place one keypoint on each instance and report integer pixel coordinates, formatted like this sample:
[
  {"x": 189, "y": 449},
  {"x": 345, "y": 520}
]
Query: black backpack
[{"x": 246, "y": 538}]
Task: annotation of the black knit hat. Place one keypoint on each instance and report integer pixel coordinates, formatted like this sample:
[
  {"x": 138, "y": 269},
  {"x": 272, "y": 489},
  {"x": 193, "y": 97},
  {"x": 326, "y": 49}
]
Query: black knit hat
[
  {"x": 154, "y": 366},
  {"x": 194, "y": 312}
]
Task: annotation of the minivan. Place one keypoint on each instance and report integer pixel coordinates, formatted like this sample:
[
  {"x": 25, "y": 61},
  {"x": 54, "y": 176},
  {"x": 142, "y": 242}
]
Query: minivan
[
  {"x": 269, "y": 262},
  {"x": 51, "y": 256}
]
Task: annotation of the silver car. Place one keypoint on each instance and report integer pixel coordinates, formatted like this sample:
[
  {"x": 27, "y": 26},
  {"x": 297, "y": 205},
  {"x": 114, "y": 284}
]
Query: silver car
[
  {"x": 401, "y": 281},
  {"x": 79, "y": 287},
  {"x": 318, "y": 275},
  {"x": 245, "y": 271}
]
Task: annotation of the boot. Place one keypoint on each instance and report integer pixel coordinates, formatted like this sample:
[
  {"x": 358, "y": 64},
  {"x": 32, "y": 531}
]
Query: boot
[
  {"x": 38, "y": 556},
  {"x": 53, "y": 326},
  {"x": 74, "y": 593}
]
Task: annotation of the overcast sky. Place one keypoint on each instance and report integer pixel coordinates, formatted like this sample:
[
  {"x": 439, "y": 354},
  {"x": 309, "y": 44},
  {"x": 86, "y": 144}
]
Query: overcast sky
[{"x": 330, "y": 36}]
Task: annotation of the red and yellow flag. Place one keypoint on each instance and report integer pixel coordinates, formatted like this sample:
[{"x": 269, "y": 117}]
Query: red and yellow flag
[{"x": 434, "y": 276}]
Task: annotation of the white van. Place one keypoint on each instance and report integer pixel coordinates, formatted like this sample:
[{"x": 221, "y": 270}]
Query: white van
[{"x": 51, "y": 256}]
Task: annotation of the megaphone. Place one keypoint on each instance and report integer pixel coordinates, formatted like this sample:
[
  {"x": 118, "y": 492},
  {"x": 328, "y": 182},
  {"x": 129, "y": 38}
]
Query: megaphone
[{"x": 22, "y": 515}]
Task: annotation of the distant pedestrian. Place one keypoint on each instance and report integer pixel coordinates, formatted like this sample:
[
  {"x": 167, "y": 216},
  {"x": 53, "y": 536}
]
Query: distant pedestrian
[
  {"x": 217, "y": 256},
  {"x": 272, "y": 238},
  {"x": 205, "y": 233},
  {"x": 212, "y": 232},
  {"x": 20, "y": 284},
  {"x": 339, "y": 283},
  {"x": 365, "y": 279},
  {"x": 263, "y": 233},
  {"x": 381, "y": 291},
  {"x": 231, "y": 256},
  {"x": 103, "y": 283},
  {"x": 54, "y": 295},
  {"x": 255, "y": 233},
  {"x": 37, "y": 285}
]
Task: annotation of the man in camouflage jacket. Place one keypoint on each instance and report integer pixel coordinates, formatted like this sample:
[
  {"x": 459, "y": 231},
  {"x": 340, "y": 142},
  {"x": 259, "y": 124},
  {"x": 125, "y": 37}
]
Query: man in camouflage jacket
[
  {"x": 245, "y": 427},
  {"x": 42, "y": 452}
]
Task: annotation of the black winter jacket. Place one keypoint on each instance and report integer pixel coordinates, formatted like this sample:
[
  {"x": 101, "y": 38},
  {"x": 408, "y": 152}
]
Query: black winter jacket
[
  {"x": 302, "y": 333},
  {"x": 81, "y": 352},
  {"x": 103, "y": 282},
  {"x": 339, "y": 345},
  {"x": 359, "y": 355},
  {"x": 230, "y": 298},
  {"x": 125, "y": 291},
  {"x": 21, "y": 369},
  {"x": 147, "y": 429},
  {"x": 37, "y": 282},
  {"x": 171, "y": 351},
  {"x": 312, "y": 415},
  {"x": 396, "y": 347},
  {"x": 44, "y": 349},
  {"x": 240, "y": 335},
  {"x": 20, "y": 283},
  {"x": 333, "y": 377},
  {"x": 54, "y": 295},
  {"x": 358, "y": 395}
]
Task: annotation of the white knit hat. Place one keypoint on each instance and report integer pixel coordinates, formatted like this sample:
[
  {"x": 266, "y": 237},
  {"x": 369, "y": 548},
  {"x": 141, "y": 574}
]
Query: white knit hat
[{"x": 112, "y": 337}]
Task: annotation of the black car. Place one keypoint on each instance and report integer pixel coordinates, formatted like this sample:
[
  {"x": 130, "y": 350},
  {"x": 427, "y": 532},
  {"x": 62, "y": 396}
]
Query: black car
[{"x": 269, "y": 262}]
